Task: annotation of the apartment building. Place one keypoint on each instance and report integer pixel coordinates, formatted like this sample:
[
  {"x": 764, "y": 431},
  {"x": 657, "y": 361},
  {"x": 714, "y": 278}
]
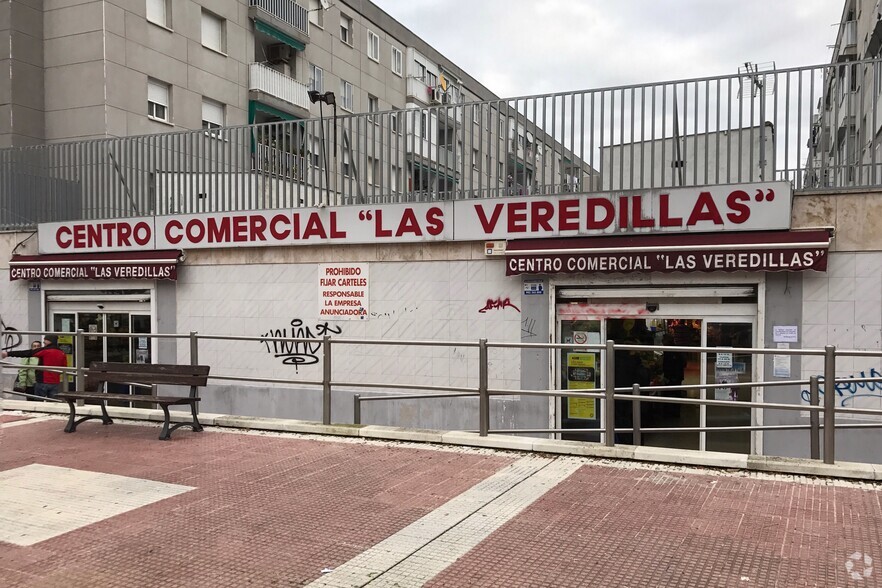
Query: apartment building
[
  {"x": 845, "y": 142},
  {"x": 121, "y": 68}
]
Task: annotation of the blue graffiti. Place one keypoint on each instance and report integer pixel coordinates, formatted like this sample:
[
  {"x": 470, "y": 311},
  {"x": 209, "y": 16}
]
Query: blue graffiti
[{"x": 849, "y": 389}]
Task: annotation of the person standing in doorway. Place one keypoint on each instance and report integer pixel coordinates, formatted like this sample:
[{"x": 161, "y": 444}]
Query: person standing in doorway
[{"x": 48, "y": 382}]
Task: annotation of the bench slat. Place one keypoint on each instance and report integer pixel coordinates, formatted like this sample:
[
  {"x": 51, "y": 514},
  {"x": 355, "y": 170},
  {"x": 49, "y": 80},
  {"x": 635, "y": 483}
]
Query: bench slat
[
  {"x": 128, "y": 373},
  {"x": 127, "y": 397}
]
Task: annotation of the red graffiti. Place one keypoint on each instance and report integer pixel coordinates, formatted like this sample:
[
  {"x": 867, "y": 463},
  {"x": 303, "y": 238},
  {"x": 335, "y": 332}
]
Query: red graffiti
[{"x": 498, "y": 304}]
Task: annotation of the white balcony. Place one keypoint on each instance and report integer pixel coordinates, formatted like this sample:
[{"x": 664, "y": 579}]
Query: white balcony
[
  {"x": 286, "y": 15},
  {"x": 266, "y": 81}
]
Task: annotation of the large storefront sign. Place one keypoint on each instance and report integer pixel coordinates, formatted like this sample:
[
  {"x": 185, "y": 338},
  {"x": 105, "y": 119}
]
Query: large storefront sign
[
  {"x": 721, "y": 252},
  {"x": 743, "y": 207},
  {"x": 145, "y": 265}
]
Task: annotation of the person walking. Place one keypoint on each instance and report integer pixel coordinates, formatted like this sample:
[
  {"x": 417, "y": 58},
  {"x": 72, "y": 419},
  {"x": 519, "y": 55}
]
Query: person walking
[
  {"x": 27, "y": 376},
  {"x": 48, "y": 383}
]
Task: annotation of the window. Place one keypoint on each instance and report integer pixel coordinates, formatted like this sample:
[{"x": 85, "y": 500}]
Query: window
[
  {"x": 158, "y": 100},
  {"x": 397, "y": 61},
  {"x": 316, "y": 14},
  {"x": 371, "y": 170},
  {"x": 316, "y": 78},
  {"x": 431, "y": 79},
  {"x": 213, "y": 31},
  {"x": 373, "y": 106},
  {"x": 158, "y": 12},
  {"x": 346, "y": 95},
  {"x": 424, "y": 125},
  {"x": 373, "y": 46},
  {"x": 475, "y": 159},
  {"x": 393, "y": 122},
  {"x": 476, "y": 114},
  {"x": 212, "y": 114},
  {"x": 419, "y": 71},
  {"x": 393, "y": 180},
  {"x": 346, "y": 29},
  {"x": 345, "y": 164},
  {"x": 315, "y": 154}
]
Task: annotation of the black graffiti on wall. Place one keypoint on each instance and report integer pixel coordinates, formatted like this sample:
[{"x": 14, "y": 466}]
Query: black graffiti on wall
[
  {"x": 298, "y": 353},
  {"x": 11, "y": 339}
]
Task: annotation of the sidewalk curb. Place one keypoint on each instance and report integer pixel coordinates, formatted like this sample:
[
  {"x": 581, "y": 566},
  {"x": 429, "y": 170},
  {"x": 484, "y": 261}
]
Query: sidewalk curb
[{"x": 754, "y": 463}]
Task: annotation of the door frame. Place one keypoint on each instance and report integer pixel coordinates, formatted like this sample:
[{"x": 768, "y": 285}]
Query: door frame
[{"x": 675, "y": 307}]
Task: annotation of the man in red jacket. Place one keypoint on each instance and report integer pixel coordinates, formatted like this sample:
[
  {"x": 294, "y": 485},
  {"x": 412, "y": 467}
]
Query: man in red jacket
[{"x": 48, "y": 382}]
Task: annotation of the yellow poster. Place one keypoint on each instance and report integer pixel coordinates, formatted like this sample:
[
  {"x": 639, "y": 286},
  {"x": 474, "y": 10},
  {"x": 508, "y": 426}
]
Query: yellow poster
[{"x": 581, "y": 376}]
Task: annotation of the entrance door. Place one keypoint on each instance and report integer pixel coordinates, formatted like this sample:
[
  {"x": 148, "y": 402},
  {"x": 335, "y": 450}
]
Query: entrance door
[
  {"x": 659, "y": 325},
  {"x": 105, "y": 319}
]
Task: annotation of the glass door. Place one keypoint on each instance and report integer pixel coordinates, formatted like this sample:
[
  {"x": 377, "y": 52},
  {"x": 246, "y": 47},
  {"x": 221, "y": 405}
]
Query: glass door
[
  {"x": 726, "y": 370},
  {"x": 580, "y": 370}
]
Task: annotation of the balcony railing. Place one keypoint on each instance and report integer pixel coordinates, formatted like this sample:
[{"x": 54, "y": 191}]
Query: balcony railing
[
  {"x": 286, "y": 11},
  {"x": 265, "y": 79}
]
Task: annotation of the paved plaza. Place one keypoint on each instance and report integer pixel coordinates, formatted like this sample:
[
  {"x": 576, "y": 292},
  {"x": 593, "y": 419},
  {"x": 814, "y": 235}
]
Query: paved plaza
[{"x": 112, "y": 506}]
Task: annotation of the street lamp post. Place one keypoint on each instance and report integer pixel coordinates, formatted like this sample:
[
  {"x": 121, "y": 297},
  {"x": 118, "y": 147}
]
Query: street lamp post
[{"x": 330, "y": 99}]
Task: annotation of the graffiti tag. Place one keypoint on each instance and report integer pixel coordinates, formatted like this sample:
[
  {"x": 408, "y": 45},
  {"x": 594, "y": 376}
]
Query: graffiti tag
[
  {"x": 498, "y": 304},
  {"x": 11, "y": 339},
  {"x": 528, "y": 327},
  {"x": 298, "y": 353},
  {"x": 849, "y": 389}
]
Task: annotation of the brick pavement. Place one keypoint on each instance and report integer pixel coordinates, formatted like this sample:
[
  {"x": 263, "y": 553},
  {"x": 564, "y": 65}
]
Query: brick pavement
[{"x": 276, "y": 510}]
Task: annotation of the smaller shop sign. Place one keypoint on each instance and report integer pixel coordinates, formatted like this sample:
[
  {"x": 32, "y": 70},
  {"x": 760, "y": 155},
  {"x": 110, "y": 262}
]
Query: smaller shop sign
[{"x": 343, "y": 291}]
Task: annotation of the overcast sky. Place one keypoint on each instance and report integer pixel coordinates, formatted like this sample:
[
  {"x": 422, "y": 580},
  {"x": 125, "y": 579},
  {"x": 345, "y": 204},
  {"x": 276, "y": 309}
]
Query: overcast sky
[{"x": 523, "y": 47}]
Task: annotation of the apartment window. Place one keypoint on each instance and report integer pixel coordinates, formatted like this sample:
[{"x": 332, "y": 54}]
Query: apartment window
[
  {"x": 346, "y": 29},
  {"x": 393, "y": 180},
  {"x": 344, "y": 165},
  {"x": 158, "y": 12},
  {"x": 431, "y": 79},
  {"x": 373, "y": 106},
  {"x": 393, "y": 118},
  {"x": 316, "y": 78},
  {"x": 424, "y": 125},
  {"x": 475, "y": 157},
  {"x": 213, "y": 31},
  {"x": 212, "y": 114},
  {"x": 476, "y": 114},
  {"x": 346, "y": 95},
  {"x": 315, "y": 153},
  {"x": 397, "y": 61},
  {"x": 373, "y": 46},
  {"x": 158, "y": 100},
  {"x": 316, "y": 14},
  {"x": 419, "y": 71},
  {"x": 371, "y": 170}
]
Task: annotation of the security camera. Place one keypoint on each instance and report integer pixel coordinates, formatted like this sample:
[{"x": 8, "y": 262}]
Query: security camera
[{"x": 652, "y": 306}]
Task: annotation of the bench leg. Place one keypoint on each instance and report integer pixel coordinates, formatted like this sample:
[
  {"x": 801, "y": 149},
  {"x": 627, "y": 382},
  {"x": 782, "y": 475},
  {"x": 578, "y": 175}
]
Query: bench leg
[
  {"x": 165, "y": 434},
  {"x": 197, "y": 426},
  {"x": 71, "y": 420},
  {"x": 105, "y": 418}
]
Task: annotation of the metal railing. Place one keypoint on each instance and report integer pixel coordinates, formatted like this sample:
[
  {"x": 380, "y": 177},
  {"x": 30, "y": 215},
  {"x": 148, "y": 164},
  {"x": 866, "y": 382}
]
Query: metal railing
[
  {"x": 286, "y": 11},
  {"x": 263, "y": 78},
  {"x": 815, "y": 127},
  {"x": 819, "y": 429}
]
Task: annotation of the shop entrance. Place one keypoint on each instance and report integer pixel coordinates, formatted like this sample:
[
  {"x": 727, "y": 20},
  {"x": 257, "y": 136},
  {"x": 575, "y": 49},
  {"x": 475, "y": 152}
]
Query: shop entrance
[
  {"x": 659, "y": 324},
  {"x": 105, "y": 315}
]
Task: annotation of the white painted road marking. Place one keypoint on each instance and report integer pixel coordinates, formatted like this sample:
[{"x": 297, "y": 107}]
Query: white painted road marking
[
  {"x": 39, "y": 502},
  {"x": 423, "y": 549}
]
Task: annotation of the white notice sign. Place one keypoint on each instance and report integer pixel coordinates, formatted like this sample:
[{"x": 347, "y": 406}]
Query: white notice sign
[
  {"x": 343, "y": 291},
  {"x": 785, "y": 334}
]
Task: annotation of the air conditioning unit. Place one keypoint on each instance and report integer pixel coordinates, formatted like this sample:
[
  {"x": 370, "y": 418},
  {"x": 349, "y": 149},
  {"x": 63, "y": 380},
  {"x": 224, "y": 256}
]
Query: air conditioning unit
[
  {"x": 278, "y": 53},
  {"x": 436, "y": 94}
]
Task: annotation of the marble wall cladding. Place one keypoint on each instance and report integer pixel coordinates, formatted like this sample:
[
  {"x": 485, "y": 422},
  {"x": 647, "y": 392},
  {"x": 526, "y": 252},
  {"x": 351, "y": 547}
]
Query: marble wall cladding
[
  {"x": 844, "y": 308},
  {"x": 13, "y": 315},
  {"x": 454, "y": 301}
]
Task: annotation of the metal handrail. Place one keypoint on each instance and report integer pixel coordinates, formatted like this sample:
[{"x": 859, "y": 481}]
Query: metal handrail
[{"x": 484, "y": 392}]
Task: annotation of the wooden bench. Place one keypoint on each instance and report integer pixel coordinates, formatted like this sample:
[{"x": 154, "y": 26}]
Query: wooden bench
[{"x": 101, "y": 374}]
